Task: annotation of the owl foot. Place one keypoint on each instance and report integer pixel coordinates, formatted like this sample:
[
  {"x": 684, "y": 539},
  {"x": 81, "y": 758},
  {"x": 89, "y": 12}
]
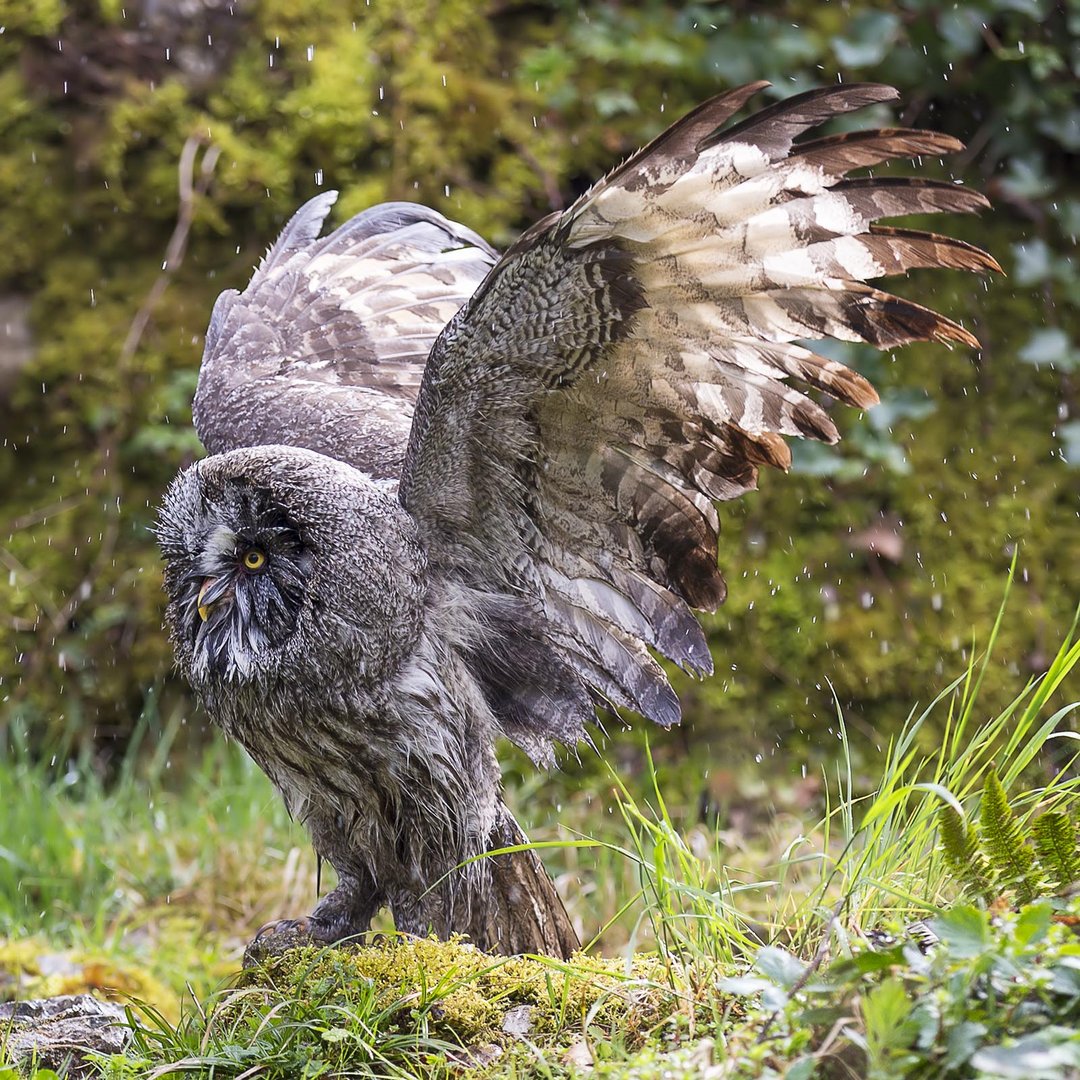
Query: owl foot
[{"x": 277, "y": 937}]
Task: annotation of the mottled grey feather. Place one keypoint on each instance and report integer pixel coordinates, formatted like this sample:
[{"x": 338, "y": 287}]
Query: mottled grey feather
[
  {"x": 326, "y": 347},
  {"x": 624, "y": 367},
  {"x": 367, "y": 712}
]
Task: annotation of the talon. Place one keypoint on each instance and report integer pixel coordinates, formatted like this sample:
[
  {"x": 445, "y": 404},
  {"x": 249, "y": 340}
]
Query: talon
[
  {"x": 276, "y": 937},
  {"x": 283, "y": 926}
]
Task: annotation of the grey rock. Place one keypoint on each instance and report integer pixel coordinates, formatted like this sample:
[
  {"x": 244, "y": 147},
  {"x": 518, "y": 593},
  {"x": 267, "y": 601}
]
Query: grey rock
[
  {"x": 57, "y": 1033},
  {"x": 475, "y": 1057},
  {"x": 518, "y": 1020}
]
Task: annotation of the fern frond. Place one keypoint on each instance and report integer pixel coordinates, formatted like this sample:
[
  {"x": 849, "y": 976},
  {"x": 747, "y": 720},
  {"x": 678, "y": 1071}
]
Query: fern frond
[
  {"x": 1006, "y": 842},
  {"x": 1056, "y": 845},
  {"x": 963, "y": 856}
]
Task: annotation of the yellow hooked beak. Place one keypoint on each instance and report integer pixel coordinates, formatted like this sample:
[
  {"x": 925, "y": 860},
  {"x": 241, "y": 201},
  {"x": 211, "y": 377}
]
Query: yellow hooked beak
[
  {"x": 213, "y": 590},
  {"x": 206, "y": 604}
]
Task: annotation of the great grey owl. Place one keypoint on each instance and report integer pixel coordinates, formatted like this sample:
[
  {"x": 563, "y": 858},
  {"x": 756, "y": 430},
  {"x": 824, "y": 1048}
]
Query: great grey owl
[{"x": 454, "y": 495}]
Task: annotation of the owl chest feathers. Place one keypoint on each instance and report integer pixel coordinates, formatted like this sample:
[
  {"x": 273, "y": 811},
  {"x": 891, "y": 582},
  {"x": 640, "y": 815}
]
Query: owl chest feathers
[
  {"x": 400, "y": 778},
  {"x": 307, "y": 618}
]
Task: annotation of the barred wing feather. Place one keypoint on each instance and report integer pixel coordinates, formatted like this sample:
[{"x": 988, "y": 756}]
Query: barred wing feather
[
  {"x": 629, "y": 363},
  {"x": 326, "y": 346}
]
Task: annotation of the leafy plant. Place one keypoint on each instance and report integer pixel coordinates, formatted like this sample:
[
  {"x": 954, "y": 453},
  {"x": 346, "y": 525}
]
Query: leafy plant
[
  {"x": 1008, "y": 854},
  {"x": 996, "y": 997}
]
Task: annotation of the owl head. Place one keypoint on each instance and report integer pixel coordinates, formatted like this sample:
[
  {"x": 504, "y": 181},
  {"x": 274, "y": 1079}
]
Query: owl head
[{"x": 284, "y": 564}]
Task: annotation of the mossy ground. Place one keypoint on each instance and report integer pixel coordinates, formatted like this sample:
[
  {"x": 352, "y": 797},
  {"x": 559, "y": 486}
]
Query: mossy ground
[{"x": 464, "y": 996}]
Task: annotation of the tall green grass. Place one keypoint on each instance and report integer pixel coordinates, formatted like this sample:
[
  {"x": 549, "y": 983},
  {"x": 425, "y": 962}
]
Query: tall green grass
[
  {"x": 79, "y": 852},
  {"x": 889, "y": 860},
  {"x": 873, "y": 857}
]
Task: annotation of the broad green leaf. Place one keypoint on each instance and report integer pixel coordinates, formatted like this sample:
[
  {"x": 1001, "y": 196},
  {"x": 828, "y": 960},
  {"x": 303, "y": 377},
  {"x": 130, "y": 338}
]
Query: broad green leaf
[
  {"x": 1047, "y": 1055},
  {"x": 1033, "y": 923},
  {"x": 780, "y": 966},
  {"x": 803, "y": 1069},
  {"x": 869, "y": 37},
  {"x": 965, "y": 931},
  {"x": 1050, "y": 345},
  {"x": 962, "y": 1041},
  {"x": 884, "y": 1011},
  {"x": 1069, "y": 434}
]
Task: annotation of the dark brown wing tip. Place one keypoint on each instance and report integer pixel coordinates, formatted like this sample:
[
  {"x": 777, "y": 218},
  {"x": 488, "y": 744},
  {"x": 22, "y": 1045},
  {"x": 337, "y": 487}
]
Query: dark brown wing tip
[
  {"x": 977, "y": 199},
  {"x": 873, "y": 91},
  {"x": 869, "y": 397},
  {"x": 852, "y": 389},
  {"x": 946, "y": 330},
  {"x": 763, "y": 448},
  {"x": 775, "y": 450},
  {"x": 912, "y": 142},
  {"x": 718, "y": 110},
  {"x": 954, "y": 254},
  {"x": 866, "y": 92},
  {"x": 746, "y": 91},
  {"x": 887, "y": 321},
  {"x": 699, "y": 580},
  {"x": 775, "y": 127},
  {"x": 937, "y": 141}
]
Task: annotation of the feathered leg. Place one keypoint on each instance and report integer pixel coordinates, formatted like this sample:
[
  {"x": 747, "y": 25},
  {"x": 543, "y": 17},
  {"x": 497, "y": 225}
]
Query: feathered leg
[
  {"x": 526, "y": 914},
  {"x": 505, "y": 904},
  {"x": 344, "y": 912}
]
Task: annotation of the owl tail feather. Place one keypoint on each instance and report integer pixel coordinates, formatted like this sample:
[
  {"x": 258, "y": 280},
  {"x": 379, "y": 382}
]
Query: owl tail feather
[{"x": 523, "y": 913}]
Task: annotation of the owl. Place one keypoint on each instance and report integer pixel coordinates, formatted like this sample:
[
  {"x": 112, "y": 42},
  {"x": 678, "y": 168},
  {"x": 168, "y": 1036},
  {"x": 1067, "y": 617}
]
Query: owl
[{"x": 454, "y": 496}]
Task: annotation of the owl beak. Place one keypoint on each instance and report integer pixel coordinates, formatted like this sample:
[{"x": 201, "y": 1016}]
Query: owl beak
[{"x": 213, "y": 589}]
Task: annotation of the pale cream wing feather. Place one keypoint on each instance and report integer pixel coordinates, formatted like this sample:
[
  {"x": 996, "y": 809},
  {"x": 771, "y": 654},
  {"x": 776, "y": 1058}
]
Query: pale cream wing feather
[{"x": 326, "y": 347}]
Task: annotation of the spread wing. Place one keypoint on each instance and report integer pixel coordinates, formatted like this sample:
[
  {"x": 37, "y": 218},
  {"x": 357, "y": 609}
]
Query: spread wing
[
  {"x": 636, "y": 358},
  {"x": 326, "y": 346}
]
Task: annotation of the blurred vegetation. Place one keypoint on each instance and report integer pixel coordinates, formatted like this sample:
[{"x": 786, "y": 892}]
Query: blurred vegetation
[{"x": 863, "y": 573}]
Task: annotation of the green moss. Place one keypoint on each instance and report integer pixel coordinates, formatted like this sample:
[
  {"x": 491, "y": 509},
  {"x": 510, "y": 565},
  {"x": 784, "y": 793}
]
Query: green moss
[
  {"x": 32, "y": 16},
  {"x": 460, "y": 994}
]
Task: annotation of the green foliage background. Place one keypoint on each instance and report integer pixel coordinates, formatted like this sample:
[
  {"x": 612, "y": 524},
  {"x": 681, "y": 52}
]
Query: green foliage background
[{"x": 496, "y": 113}]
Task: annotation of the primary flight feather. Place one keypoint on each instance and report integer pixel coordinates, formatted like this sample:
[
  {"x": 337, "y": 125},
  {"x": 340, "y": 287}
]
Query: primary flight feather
[{"x": 454, "y": 495}]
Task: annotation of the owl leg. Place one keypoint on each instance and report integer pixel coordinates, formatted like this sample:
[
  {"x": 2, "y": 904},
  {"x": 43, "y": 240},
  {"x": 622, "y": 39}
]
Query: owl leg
[
  {"x": 347, "y": 910},
  {"x": 344, "y": 912},
  {"x": 417, "y": 917},
  {"x": 505, "y": 904}
]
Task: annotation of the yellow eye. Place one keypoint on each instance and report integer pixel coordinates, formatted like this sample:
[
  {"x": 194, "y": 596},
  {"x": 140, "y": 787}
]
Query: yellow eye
[{"x": 254, "y": 559}]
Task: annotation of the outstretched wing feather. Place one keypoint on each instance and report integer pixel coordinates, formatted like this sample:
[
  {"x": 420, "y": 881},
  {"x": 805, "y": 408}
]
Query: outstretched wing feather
[
  {"x": 357, "y": 310},
  {"x": 625, "y": 366}
]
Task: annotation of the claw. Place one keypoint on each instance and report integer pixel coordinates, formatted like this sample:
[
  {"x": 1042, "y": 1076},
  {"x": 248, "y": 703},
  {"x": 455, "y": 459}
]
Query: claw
[
  {"x": 277, "y": 937},
  {"x": 284, "y": 926}
]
